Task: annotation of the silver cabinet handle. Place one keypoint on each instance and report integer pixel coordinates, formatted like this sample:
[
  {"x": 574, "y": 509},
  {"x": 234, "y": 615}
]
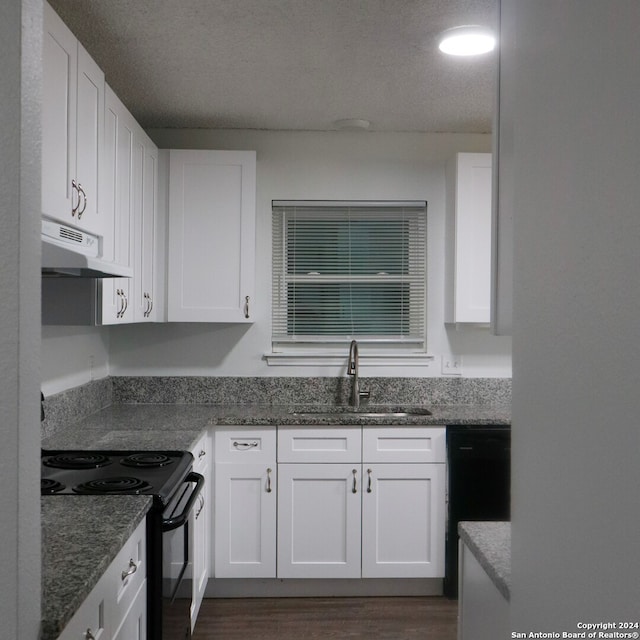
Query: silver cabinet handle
[
  {"x": 126, "y": 303},
  {"x": 246, "y": 306},
  {"x": 369, "y": 481},
  {"x": 120, "y": 303},
  {"x": 81, "y": 192},
  {"x": 150, "y": 305},
  {"x": 268, "y": 480},
  {"x": 245, "y": 445},
  {"x": 133, "y": 567},
  {"x": 74, "y": 188},
  {"x": 147, "y": 305},
  {"x": 355, "y": 487},
  {"x": 201, "y": 507},
  {"x": 89, "y": 635}
]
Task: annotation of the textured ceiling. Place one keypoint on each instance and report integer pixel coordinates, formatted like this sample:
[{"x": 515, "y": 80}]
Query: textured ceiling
[{"x": 289, "y": 64}]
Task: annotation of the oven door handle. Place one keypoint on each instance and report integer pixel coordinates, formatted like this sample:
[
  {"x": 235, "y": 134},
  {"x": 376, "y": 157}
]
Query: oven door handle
[{"x": 168, "y": 524}]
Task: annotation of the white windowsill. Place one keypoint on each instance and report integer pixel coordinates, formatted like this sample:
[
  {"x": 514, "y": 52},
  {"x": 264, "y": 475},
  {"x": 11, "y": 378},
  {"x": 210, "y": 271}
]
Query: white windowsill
[{"x": 337, "y": 359}]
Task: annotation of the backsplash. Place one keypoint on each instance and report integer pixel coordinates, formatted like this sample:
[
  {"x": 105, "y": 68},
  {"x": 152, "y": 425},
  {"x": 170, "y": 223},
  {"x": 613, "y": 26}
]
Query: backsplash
[
  {"x": 73, "y": 405},
  {"x": 295, "y": 390},
  {"x": 68, "y": 407}
]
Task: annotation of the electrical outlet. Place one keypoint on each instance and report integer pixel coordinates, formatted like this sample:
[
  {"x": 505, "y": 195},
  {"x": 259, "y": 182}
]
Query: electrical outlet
[{"x": 451, "y": 365}]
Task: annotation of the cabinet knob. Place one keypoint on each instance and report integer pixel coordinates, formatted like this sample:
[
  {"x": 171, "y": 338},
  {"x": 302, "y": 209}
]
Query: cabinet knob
[{"x": 88, "y": 634}]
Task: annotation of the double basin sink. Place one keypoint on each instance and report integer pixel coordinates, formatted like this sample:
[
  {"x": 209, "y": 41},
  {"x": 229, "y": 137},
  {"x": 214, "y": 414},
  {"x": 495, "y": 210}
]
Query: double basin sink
[{"x": 362, "y": 412}]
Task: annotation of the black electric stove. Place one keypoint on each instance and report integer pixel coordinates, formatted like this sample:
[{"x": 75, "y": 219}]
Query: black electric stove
[
  {"x": 154, "y": 473},
  {"x": 167, "y": 477}
]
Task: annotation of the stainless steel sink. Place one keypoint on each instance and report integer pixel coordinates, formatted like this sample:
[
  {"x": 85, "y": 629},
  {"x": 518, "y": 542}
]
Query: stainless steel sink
[{"x": 361, "y": 412}]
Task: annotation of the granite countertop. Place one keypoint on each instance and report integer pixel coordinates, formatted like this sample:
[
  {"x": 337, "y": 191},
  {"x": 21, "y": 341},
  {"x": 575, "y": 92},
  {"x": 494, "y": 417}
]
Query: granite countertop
[
  {"x": 490, "y": 543},
  {"x": 81, "y": 535},
  {"x": 76, "y": 552},
  {"x": 178, "y": 426}
]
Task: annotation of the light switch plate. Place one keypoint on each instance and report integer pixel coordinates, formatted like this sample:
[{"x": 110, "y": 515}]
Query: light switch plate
[{"x": 451, "y": 365}]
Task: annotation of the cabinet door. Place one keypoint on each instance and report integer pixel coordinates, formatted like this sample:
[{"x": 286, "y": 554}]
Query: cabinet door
[
  {"x": 89, "y": 140},
  {"x": 200, "y": 525},
  {"x": 245, "y": 520},
  {"x": 72, "y": 128},
  {"x": 211, "y": 259},
  {"x": 319, "y": 521},
  {"x": 59, "y": 82},
  {"x": 145, "y": 206},
  {"x": 403, "y": 520},
  {"x": 468, "y": 291},
  {"x": 116, "y": 208},
  {"x": 134, "y": 624}
]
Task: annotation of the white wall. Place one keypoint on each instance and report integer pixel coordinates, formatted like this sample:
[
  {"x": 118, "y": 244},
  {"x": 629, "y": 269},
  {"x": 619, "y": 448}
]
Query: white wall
[
  {"x": 313, "y": 165},
  {"x": 576, "y": 341},
  {"x": 72, "y": 356},
  {"x": 20, "y": 80}
]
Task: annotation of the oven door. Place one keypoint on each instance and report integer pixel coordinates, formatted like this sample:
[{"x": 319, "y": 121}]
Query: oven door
[{"x": 176, "y": 556}]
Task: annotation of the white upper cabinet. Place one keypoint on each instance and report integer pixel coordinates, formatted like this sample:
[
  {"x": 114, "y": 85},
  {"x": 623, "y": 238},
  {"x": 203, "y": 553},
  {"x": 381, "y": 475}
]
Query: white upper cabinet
[
  {"x": 212, "y": 219},
  {"x": 468, "y": 239},
  {"x": 129, "y": 206},
  {"x": 116, "y": 205},
  {"x": 72, "y": 128},
  {"x": 145, "y": 218}
]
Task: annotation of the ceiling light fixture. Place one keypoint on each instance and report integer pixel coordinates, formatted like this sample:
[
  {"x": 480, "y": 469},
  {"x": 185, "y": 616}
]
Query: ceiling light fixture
[
  {"x": 469, "y": 40},
  {"x": 352, "y": 124}
]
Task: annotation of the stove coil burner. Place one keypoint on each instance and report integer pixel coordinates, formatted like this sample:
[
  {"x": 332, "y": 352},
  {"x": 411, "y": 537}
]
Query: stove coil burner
[
  {"x": 47, "y": 485},
  {"x": 77, "y": 461},
  {"x": 123, "y": 485},
  {"x": 146, "y": 460}
]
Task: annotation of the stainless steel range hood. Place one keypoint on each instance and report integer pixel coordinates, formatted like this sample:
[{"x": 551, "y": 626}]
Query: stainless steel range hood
[{"x": 69, "y": 253}]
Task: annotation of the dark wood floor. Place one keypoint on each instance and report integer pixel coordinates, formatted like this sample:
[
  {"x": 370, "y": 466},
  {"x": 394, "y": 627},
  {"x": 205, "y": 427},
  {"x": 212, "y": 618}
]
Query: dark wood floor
[{"x": 428, "y": 618}]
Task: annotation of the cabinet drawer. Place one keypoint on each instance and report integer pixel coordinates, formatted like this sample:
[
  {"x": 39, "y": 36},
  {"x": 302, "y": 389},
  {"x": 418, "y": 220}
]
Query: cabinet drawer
[
  {"x": 328, "y": 444},
  {"x": 242, "y": 445},
  {"x": 404, "y": 444},
  {"x": 127, "y": 572},
  {"x": 91, "y": 616}
]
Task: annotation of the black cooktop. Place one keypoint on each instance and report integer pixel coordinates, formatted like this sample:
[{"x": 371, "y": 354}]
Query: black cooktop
[{"x": 156, "y": 473}]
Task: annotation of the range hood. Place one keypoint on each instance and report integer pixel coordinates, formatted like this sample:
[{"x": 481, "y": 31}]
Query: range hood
[{"x": 70, "y": 253}]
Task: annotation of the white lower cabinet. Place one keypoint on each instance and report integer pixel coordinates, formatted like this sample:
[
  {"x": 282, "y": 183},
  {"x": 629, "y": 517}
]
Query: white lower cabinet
[
  {"x": 116, "y": 608},
  {"x": 134, "y": 625},
  {"x": 246, "y": 485},
  {"x": 319, "y": 520},
  {"x": 201, "y": 525},
  {"x": 352, "y": 502},
  {"x": 403, "y": 520},
  {"x": 483, "y": 612}
]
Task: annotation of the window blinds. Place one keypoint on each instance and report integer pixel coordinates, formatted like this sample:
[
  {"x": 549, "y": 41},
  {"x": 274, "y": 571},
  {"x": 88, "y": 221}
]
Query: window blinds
[{"x": 344, "y": 270}]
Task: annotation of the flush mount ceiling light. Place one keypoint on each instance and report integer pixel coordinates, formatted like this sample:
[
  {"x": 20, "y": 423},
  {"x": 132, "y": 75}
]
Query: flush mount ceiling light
[
  {"x": 352, "y": 124},
  {"x": 469, "y": 40}
]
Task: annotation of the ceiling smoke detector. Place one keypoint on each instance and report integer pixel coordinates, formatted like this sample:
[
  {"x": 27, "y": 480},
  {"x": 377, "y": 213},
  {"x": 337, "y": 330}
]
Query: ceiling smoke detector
[{"x": 469, "y": 40}]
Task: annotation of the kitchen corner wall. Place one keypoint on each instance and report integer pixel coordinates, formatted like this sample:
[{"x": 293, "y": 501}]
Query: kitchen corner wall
[{"x": 295, "y": 165}]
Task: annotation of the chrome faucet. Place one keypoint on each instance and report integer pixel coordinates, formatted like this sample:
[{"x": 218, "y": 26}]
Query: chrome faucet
[{"x": 352, "y": 370}]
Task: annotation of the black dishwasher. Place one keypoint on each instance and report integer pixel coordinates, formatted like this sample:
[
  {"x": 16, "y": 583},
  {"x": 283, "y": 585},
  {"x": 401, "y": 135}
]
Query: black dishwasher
[{"x": 479, "y": 484}]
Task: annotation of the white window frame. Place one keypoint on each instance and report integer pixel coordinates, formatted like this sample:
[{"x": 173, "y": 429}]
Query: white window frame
[{"x": 379, "y": 351}]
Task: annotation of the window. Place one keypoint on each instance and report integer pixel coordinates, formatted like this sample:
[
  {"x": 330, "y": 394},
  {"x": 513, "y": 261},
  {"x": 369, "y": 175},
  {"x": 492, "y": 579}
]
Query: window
[{"x": 349, "y": 270}]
